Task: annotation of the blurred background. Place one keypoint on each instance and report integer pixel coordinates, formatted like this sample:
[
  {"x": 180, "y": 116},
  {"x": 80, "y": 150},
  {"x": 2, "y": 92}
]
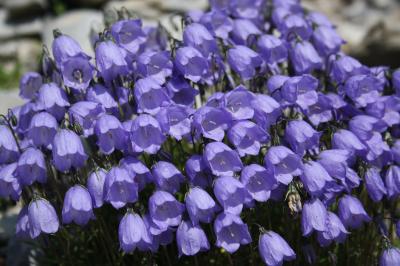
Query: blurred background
[{"x": 370, "y": 27}]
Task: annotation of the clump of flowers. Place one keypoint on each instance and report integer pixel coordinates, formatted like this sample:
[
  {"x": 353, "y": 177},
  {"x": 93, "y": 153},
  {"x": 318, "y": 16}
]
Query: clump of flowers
[{"x": 254, "y": 132}]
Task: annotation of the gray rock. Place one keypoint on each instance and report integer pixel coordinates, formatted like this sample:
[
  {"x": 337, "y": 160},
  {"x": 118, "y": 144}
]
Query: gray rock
[
  {"x": 187, "y": 5},
  {"x": 11, "y": 30},
  {"x": 76, "y": 24},
  {"x": 143, "y": 9},
  {"x": 6, "y": 29},
  {"x": 8, "y": 99},
  {"x": 24, "y": 8}
]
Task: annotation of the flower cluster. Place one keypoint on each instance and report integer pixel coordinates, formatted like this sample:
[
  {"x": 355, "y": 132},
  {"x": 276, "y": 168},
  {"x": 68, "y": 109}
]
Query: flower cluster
[{"x": 256, "y": 105}]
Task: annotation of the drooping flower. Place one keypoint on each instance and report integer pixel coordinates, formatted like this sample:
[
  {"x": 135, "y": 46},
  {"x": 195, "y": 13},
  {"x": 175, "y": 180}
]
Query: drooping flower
[
  {"x": 362, "y": 89},
  {"x": 238, "y": 102},
  {"x": 347, "y": 140},
  {"x": 300, "y": 90},
  {"x": 345, "y": 67},
  {"x": 244, "y": 61},
  {"x": 85, "y": 114},
  {"x": 221, "y": 159},
  {"x": 95, "y": 186},
  {"x": 274, "y": 249},
  {"x": 315, "y": 178},
  {"x": 120, "y": 187},
  {"x": 200, "y": 206},
  {"x": 231, "y": 232},
  {"x": 146, "y": 135},
  {"x": 133, "y": 233},
  {"x": 364, "y": 126},
  {"x": 77, "y": 206},
  {"x": 42, "y": 129},
  {"x": 128, "y": 33},
  {"x": 155, "y": 64},
  {"x": 231, "y": 194},
  {"x": 247, "y": 137},
  {"x": 175, "y": 120},
  {"x": 258, "y": 181},
  {"x": 351, "y": 212},
  {"x": 68, "y": 151},
  {"x": 167, "y": 177},
  {"x": 295, "y": 25},
  {"x": 218, "y": 23},
  {"x": 335, "y": 162},
  {"x": 8, "y": 146},
  {"x": 22, "y": 226},
  {"x": 305, "y": 58},
  {"x": 138, "y": 169},
  {"x": 9, "y": 184},
  {"x": 267, "y": 110},
  {"x": 284, "y": 163},
  {"x": 243, "y": 32},
  {"x": 197, "y": 36},
  {"x": 165, "y": 210},
  {"x": 313, "y": 217},
  {"x": 101, "y": 95},
  {"x": 29, "y": 85},
  {"x": 392, "y": 181},
  {"x": 110, "y": 134},
  {"x": 42, "y": 218},
  {"x": 31, "y": 167},
  {"x": 77, "y": 73},
  {"x": 150, "y": 96},
  {"x": 180, "y": 91},
  {"x": 374, "y": 183},
  {"x": 197, "y": 171},
  {"x": 191, "y": 63},
  {"x": 326, "y": 40},
  {"x": 335, "y": 231},
  {"x": 301, "y": 136},
  {"x": 110, "y": 61},
  {"x": 211, "y": 122},
  {"x": 390, "y": 257},
  {"x": 191, "y": 239},
  {"x": 272, "y": 49},
  {"x": 53, "y": 100}
]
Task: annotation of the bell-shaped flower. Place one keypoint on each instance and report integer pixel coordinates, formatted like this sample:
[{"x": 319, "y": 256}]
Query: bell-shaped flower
[
  {"x": 345, "y": 67},
  {"x": 305, "y": 58},
  {"x": 129, "y": 34},
  {"x": 175, "y": 120},
  {"x": 364, "y": 126},
  {"x": 352, "y": 212},
  {"x": 301, "y": 137},
  {"x": 120, "y": 187},
  {"x": 315, "y": 178},
  {"x": 211, "y": 122},
  {"x": 231, "y": 194},
  {"x": 110, "y": 61},
  {"x": 244, "y": 31},
  {"x": 231, "y": 232},
  {"x": 85, "y": 114},
  {"x": 390, "y": 257},
  {"x": 374, "y": 184},
  {"x": 347, "y": 140},
  {"x": 239, "y": 103},
  {"x": 8, "y": 146},
  {"x": 146, "y": 135},
  {"x": 362, "y": 89},
  {"x": 155, "y": 64},
  {"x": 150, "y": 96},
  {"x": 68, "y": 151},
  {"x": 167, "y": 177},
  {"x": 197, "y": 172},
  {"x": 244, "y": 61},
  {"x": 295, "y": 25},
  {"x": 42, "y": 218},
  {"x": 138, "y": 169},
  {"x": 191, "y": 239},
  {"x": 392, "y": 181},
  {"x": 196, "y": 35},
  {"x": 218, "y": 23},
  {"x": 180, "y": 91},
  {"x": 53, "y": 100},
  {"x": 133, "y": 233},
  {"x": 272, "y": 49},
  {"x": 95, "y": 186},
  {"x": 31, "y": 167},
  {"x": 326, "y": 40},
  {"x": 165, "y": 210},
  {"x": 313, "y": 217},
  {"x": 334, "y": 231},
  {"x": 110, "y": 134},
  {"x": 29, "y": 85},
  {"x": 300, "y": 90},
  {"x": 42, "y": 129},
  {"x": 77, "y": 206},
  {"x": 247, "y": 137},
  {"x": 77, "y": 73},
  {"x": 22, "y": 226},
  {"x": 191, "y": 63},
  {"x": 258, "y": 181},
  {"x": 274, "y": 249},
  {"x": 267, "y": 110},
  {"x": 284, "y": 163},
  {"x": 200, "y": 206},
  {"x": 335, "y": 162},
  {"x": 65, "y": 47},
  {"x": 221, "y": 159},
  {"x": 101, "y": 95},
  {"x": 9, "y": 184}
]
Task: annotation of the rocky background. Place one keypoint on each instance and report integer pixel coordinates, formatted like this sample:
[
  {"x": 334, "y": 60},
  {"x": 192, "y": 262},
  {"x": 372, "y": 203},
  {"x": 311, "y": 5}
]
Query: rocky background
[{"x": 371, "y": 28}]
